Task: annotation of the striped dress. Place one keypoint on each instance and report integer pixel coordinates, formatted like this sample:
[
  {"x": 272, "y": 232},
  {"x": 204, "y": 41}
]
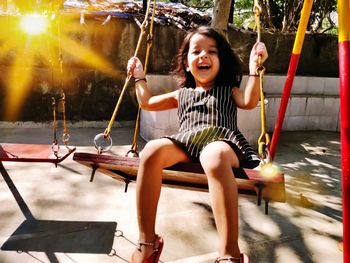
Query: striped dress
[{"x": 207, "y": 116}]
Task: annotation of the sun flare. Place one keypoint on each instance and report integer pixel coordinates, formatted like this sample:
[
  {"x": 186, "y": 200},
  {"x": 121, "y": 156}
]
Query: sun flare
[
  {"x": 270, "y": 170},
  {"x": 34, "y": 24},
  {"x": 43, "y": 40}
]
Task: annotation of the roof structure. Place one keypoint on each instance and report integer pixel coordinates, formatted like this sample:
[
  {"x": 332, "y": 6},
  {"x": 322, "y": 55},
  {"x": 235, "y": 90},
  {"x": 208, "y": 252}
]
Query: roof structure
[{"x": 176, "y": 14}]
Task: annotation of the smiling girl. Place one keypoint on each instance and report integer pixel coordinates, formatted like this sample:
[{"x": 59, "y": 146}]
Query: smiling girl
[{"x": 207, "y": 102}]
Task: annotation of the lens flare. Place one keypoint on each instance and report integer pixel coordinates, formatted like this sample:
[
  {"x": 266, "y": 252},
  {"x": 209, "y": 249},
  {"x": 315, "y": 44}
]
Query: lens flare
[
  {"x": 270, "y": 170},
  {"x": 44, "y": 39},
  {"x": 34, "y": 24}
]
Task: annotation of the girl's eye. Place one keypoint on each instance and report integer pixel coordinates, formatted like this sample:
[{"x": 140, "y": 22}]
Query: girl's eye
[
  {"x": 213, "y": 51},
  {"x": 196, "y": 52}
]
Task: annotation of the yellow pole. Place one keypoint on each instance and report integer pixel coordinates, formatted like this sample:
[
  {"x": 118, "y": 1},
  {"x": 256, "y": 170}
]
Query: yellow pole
[
  {"x": 299, "y": 38},
  {"x": 344, "y": 20}
]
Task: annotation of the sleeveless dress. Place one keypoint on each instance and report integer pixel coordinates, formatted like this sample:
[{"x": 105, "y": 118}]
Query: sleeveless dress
[{"x": 207, "y": 116}]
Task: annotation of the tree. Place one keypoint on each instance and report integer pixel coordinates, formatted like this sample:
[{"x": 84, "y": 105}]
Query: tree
[
  {"x": 321, "y": 19},
  {"x": 284, "y": 15},
  {"x": 277, "y": 15},
  {"x": 221, "y": 13}
]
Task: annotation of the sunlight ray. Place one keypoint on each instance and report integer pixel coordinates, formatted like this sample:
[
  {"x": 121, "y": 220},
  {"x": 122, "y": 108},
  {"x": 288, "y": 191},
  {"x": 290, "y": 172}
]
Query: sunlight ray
[
  {"x": 24, "y": 52},
  {"x": 18, "y": 84},
  {"x": 87, "y": 56}
]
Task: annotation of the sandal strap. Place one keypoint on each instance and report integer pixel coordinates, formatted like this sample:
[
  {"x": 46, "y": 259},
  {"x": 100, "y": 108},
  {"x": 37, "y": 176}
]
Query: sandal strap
[
  {"x": 227, "y": 259},
  {"x": 142, "y": 243}
]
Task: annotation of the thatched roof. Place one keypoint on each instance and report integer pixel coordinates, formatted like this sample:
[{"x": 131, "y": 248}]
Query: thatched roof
[{"x": 166, "y": 13}]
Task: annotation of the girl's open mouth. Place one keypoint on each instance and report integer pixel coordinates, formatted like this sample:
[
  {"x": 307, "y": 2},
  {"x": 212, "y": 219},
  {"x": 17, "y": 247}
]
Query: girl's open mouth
[{"x": 203, "y": 67}]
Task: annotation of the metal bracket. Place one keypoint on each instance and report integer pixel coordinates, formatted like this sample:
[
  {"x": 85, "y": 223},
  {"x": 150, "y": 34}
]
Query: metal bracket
[
  {"x": 94, "y": 168},
  {"x": 126, "y": 185}
]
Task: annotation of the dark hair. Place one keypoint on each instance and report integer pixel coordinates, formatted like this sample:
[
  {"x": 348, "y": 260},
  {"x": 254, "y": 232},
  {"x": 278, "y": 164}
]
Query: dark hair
[{"x": 230, "y": 73}]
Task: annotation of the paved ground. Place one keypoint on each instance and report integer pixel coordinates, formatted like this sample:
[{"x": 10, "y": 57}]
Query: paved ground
[{"x": 50, "y": 214}]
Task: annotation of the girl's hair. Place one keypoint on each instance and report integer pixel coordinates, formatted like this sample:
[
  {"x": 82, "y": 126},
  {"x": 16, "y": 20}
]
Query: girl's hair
[{"x": 230, "y": 73}]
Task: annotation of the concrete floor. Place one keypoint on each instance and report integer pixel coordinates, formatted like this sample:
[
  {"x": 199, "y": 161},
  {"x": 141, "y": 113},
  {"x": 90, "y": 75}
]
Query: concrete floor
[{"x": 50, "y": 214}]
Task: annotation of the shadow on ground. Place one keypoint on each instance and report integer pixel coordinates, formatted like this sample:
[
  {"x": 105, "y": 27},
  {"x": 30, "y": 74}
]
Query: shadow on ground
[{"x": 57, "y": 236}]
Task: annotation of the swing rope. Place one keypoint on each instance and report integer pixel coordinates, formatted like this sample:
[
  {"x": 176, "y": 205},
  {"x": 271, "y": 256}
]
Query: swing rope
[
  {"x": 148, "y": 49},
  {"x": 106, "y": 143},
  {"x": 264, "y": 138},
  {"x": 65, "y": 134},
  {"x": 55, "y": 146}
]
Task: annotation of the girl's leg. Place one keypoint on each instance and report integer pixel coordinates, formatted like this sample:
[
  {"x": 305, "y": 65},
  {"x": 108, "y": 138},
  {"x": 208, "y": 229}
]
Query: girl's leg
[
  {"x": 156, "y": 155},
  {"x": 217, "y": 159}
]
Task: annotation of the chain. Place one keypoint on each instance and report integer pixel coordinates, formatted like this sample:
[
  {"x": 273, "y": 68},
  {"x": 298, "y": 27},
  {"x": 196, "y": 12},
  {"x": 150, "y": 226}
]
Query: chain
[
  {"x": 264, "y": 139},
  {"x": 55, "y": 146}
]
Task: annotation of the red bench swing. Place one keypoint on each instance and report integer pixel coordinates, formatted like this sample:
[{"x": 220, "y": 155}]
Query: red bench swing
[
  {"x": 252, "y": 183},
  {"x": 46, "y": 153}
]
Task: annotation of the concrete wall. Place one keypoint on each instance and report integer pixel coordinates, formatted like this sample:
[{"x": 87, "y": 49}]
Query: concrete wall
[
  {"x": 92, "y": 91},
  {"x": 314, "y": 105}
]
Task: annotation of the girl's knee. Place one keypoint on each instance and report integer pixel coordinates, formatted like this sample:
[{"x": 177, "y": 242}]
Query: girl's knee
[
  {"x": 212, "y": 159},
  {"x": 162, "y": 152},
  {"x": 151, "y": 149},
  {"x": 216, "y": 155},
  {"x": 155, "y": 152}
]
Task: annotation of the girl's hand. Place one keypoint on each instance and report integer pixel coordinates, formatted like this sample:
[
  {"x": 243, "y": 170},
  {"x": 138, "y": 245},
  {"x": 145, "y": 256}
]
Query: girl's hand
[
  {"x": 135, "y": 68},
  {"x": 259, "y": 49}
]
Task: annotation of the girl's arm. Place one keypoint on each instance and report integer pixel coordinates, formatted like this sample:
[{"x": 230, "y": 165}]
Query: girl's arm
[
  {"x": 144, "y": 95},
  {"x": 249, "y": 97}
]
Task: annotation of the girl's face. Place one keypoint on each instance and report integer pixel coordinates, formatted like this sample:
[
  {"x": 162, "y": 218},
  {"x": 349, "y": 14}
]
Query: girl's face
[{"x": 203, "y": 60}]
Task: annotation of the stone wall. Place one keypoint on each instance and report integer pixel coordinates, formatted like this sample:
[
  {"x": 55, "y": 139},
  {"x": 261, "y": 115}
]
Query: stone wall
[{"x": 92, "y": 90}]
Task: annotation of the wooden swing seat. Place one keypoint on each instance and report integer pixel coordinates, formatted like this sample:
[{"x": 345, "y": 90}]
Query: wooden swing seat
[
  {"x": 14, "y": 152},
  {"x": 188, "y": 176}
]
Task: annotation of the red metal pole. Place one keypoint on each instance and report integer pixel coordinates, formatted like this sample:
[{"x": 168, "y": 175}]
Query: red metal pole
[
  {"x": 293, "y": 64},
  {"x": 344, "y": 82},
  {"x": 344, "y": 70}
]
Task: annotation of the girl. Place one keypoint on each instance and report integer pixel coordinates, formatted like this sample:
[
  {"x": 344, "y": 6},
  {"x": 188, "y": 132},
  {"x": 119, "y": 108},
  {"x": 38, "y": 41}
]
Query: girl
[{"x": 210, "y": 75}]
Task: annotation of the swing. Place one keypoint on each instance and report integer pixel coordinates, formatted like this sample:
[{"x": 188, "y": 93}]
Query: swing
[
  {"x": 17, "y": 152},
  {"x": 190, "y": 176},
  {"x": 12, "y": 152}
]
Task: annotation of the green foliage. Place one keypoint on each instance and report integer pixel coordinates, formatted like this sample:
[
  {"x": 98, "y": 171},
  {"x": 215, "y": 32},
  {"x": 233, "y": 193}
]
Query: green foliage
[
  {"x": 284, "y": 15},
  {"x": 277, "y": 15},
  {"x": 322, "y": 16},
  {"x": 198, "y": 4},
  {"x": 243, "y": 14},
  {"x": 244, "y": 4}
]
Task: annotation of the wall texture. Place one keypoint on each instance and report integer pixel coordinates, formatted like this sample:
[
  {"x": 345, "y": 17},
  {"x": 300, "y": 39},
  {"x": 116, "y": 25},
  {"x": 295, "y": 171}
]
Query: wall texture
[{"x": 92, "y": 90}]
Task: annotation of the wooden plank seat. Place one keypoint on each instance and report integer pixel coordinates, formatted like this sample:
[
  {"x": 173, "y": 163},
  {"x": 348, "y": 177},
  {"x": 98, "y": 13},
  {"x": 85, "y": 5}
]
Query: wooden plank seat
[
  {"x": 188, "y": 176},
  {"x": 17, "y": 152}
]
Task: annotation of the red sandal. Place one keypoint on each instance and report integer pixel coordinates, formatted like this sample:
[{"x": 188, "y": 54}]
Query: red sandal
[
  {"x": 242, "y": 259},
  {"x": 157, "y": 250}
]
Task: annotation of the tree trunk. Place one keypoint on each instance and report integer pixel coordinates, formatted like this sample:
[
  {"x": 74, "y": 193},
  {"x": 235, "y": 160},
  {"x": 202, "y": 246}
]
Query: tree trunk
[
  {"x": 221, "y": 12},
  {"x": 231, "y": 14},
  {"x": 271, "y": 15}
]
